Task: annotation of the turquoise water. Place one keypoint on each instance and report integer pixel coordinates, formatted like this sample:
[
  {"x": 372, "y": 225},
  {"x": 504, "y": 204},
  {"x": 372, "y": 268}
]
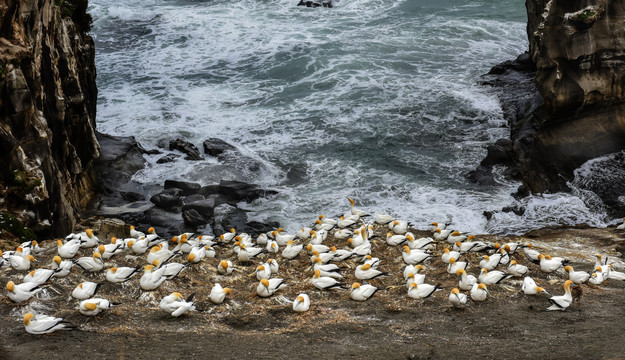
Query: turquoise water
[{"x": 376, "y": 100}]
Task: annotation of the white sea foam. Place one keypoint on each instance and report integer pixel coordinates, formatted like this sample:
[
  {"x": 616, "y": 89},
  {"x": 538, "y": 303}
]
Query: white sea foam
[{"x": 376, "y": 100}]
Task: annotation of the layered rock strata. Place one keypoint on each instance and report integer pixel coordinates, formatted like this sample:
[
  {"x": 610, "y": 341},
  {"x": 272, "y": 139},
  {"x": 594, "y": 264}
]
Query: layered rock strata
[{"x": 47, "y": 113}]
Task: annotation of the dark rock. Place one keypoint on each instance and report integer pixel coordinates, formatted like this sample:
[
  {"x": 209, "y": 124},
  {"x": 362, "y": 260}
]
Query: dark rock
[
  {"x": 131, "y": 196},
  {"x": 168, "y": 198},
  {"x": 192, "y": 198},
  {"x": 186, "y": 148},
  {"x": 164, "y": 222},
  {"x": 240, "y": 191},
  {"x": 316, "y": 3},
  {"x": 256, "y": 228},
  {"x": 193, "y": 218},
  {"x": 215, "y": 147},
  {"x": 204, "y": 207},
  {"x": 187, "y": 188},
  {"x": 120, "y": 159},
  {"x": 517, "y": 210},
  {"x": 168, "y": 158},
  {"x": 209, "y": 190},
  {"x": 488, "y": 215}
]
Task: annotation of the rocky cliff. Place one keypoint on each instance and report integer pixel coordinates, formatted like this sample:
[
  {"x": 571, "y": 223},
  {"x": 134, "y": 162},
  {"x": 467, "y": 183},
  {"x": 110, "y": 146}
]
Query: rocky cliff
[
  {"x": 565, "y": 99},
  {"x": 47, "y": 112}
]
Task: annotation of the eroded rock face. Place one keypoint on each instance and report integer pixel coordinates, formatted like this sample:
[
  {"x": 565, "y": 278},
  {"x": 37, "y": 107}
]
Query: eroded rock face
[
  {"x": 578, "y": 47},
  {"x": 47, "y": 115}
]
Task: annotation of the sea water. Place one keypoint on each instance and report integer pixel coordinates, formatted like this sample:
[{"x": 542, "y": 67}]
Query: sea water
[{"x": 377, "y": 100}]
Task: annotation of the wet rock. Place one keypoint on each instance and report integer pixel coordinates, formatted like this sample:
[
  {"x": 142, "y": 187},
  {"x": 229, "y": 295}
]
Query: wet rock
[
  {"x": 187, "y": 188},
  {"x": 215, "y": 147},
  {"x": 164, "y": 222},
  {"x": 316, "y": 3},
  {"x": 132, "y": 196},
  {"x": 185, "y": 147},
  {"x": 121, "y": 158},
  {"x": 205, "y": 207},
  {"x": 168, "y": 158},
  {"x": 193, "y": 218},
  {"x": 168, "y": 198},
  {"x": 192, "y": 198},
  {"x": 240, "y": 191},
  {"x": 209, "y": 190}
]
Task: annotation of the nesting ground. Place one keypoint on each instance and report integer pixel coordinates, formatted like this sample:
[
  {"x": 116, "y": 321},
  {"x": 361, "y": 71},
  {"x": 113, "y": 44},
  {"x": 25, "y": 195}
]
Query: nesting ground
[{"x": 390, "y": 325}]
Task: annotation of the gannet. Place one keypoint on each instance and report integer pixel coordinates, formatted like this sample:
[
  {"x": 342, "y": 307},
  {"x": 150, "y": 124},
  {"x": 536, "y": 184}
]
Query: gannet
[
  {"x": 282, "y": 239},
  {"x": 39, "y": 276},
  {"x": 62, "y": 267},
  {"x": 382, "y": 219},
  {"x": 319, "y": 265},
  {"x": 578, "y": 277},
  {"x": 85, "y": 290},
  {"x": 134, "y": 233},
  {"x": 621, "y": 226},
  {"x": 324, "y": 282},
  {"x": 218, "y": 294},
  {"x": 20, "y": 263},
  {"x": 492, "y": 277},
  {"x": 356, "y": 240},
  {"x": 365, "y": 272},
  {"x": 107, "y": 251},
  {"x": 596, "y": 278},
  {"x": 69, "y": 249},
  {"x": 490, "y": 262},
  {"x": 320, "y": 225},
  {"x": 263, "y": 272},
  {"x": 414, "y": 278},
  {"x": 413, "y": 257},
  {"x": 273, "y": 265},
  {"x": 248, "y": 253},
  {"x": 394, "y": 240},
  {"x": 436, "y": 225},
  {"x": 441, "y": 235},
  {"x": 303, "y": 233},
  {"x": 318, "y": 237},
  {"x": 272, "y": 247},
  {"x": 121, "y": 274},
  {"x": 227, "y": 237},
  {"x": 152, "y": 279},
  {"x": 342, "y": 234},
  {"x": 414, "y": 269},
  {"x": 354, "y": 210},
  {"x": 473, "y": 246},
  {"x": 505, "y": 257},
  {"x": 326, "y": 220},
  {"x": 22, "y": 292},
  {"x": 362, "y": 292},
  {"x": 319, "y": 248},
  {"x": 262, "y": 239},
  {"x": 301, "y": 303},
  {"x": 92, "y": 263},
  {"x": 325, "y": 257},
  {"x": 373, "y": 261},
  {"x": 456, "y": 298},
  {"x": 44, "y": 324},
  {"x": 479, "y": 292},
  {"x": 455, "y": 237},
  {"x": 291, "y": 250},
  {"x": 267, "y": 287},
  {"x": 343, "y": 222},
  {"x": 339, "y": 254},
  {"x": 225, "y": 267},
  {"x": 422, "y": 291},
  {"x": 138, "y": 246},
  {"x": 88, "y": 240},
  {"x": 454, "y": 266},
  {"x": 197, "y": 254},
  {"x": 175, "y": 304},
  {"x": 516, "y": 270},
  {"x": 531, "y": 254},
  {"x": 615, "y": 275},
  {"x": 424, "y": 243},
  {"x": 561, "y": 302},
  {"x": 547, "y": 265},
  {"x": 399, "y": 227},
  {"x": 151, "y": 235},
  {"x": 447, "y": 254},
  {"x": 171, "y": 270},
  {"x": 529, "y": 287},
  {"x": 466, "y": 281},
  {"x": 94, "y": 306}
]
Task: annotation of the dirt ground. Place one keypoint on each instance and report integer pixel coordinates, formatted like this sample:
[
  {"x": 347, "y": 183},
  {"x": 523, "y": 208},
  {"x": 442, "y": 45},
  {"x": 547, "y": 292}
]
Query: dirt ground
[{"x": 390, "y": 325}]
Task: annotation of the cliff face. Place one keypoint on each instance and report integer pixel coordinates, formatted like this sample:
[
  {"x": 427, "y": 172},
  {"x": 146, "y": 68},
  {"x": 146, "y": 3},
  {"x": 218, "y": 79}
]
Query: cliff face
[
  {"x": 47, "y": 112},
  {"x": 578, "y": 47}
]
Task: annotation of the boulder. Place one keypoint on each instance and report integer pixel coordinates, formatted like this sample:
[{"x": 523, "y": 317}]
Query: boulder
[
  {"x": 240, "y": 191},
  {"x": 187, "y": 188},
  {"x": 168, "y": 199},
  {"x": 215, "y": 147},
  {"x": 185, "y": 147}
]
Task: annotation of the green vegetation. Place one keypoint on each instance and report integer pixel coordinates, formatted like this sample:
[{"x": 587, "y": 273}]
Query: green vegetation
[
  {"x": 21, "y": 179},
  {"x": 586, "y": 14},
  {"x": 10, "y": 223},
  {"x": 77, "y": 11}
]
